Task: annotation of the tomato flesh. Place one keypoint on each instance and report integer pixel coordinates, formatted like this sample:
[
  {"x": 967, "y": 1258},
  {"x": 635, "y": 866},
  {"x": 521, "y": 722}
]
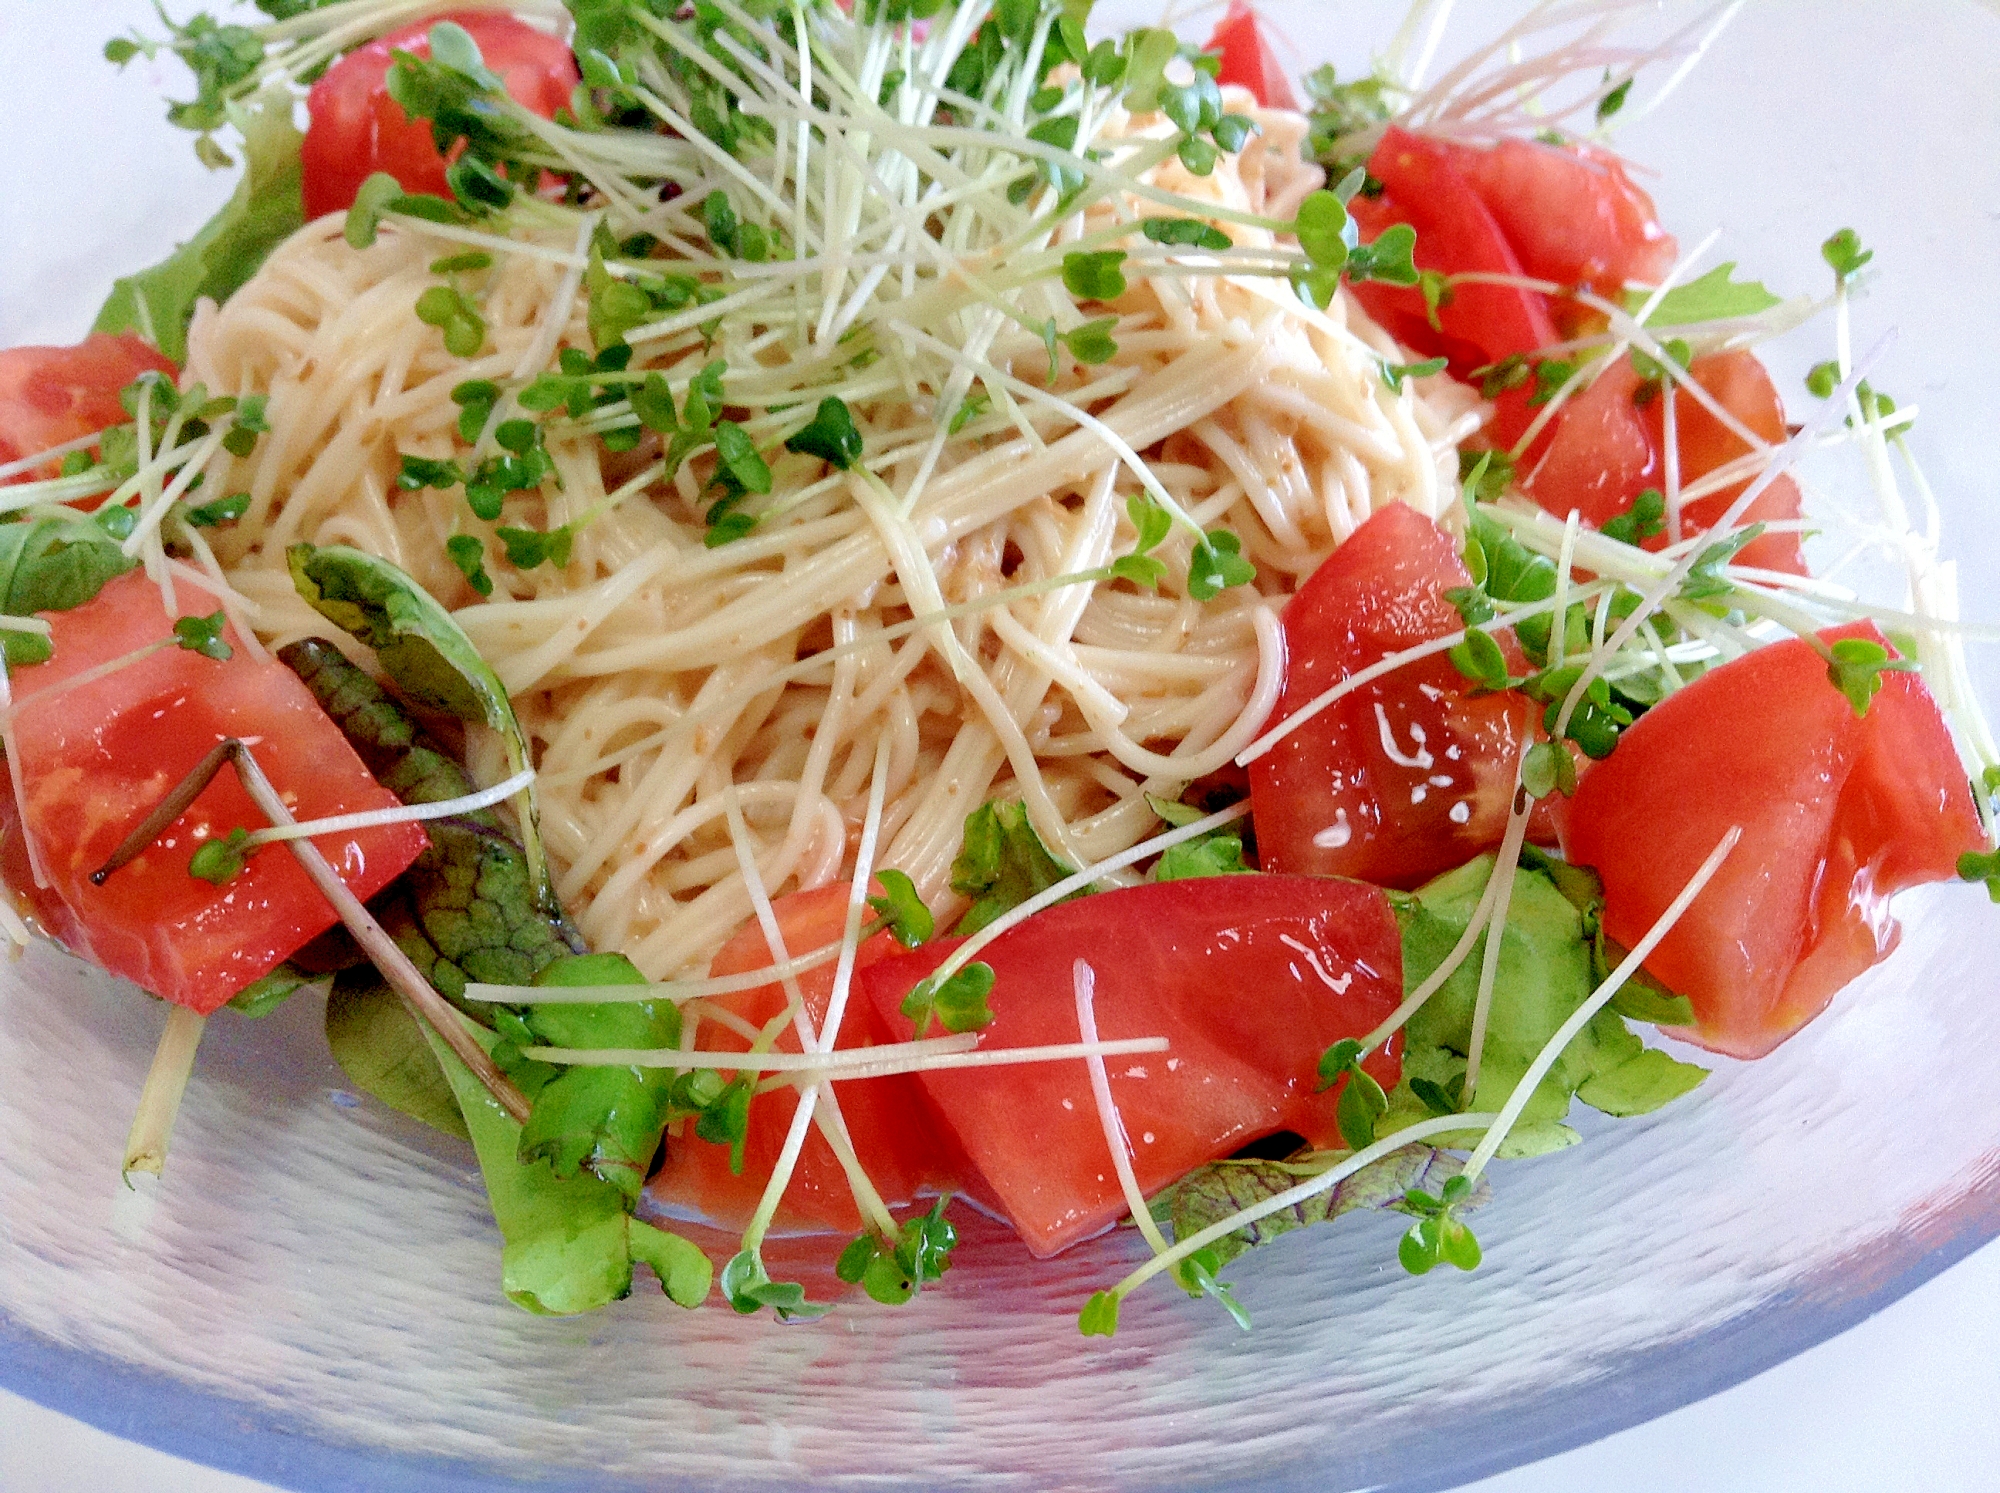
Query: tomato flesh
[
  {"x": 1608, "y": 446},
  {"x": 1571, "y": 213},
  {"x": 1250, "y": 978},
  {"x": 356, "y": 129},
  {"x": 53, "y": 395},
  {"x": 1838, "y": 812},
  {"x": 1405, "y": 777},
  {"x": 886, "y": 1119},
  {"x": 1248, "y": 60},
  {"x": 1456, "y": 234},
  {"x": 97, "y": 759}
]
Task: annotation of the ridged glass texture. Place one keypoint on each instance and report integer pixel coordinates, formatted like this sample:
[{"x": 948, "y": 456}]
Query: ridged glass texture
[{"x": 312, "y": 1296}]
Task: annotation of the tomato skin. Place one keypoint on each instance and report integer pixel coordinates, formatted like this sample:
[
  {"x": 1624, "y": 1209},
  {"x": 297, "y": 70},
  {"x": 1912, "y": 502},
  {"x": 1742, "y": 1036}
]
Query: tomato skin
[
  {"x": 98, "y": 759},
  {"x": 1839, "y": 813},
  {"x": 1330, "y": 799},
  {"x": 1250, "y": 978},
  {"x": 1456, "y": 234},
  {"x": 886, "y": 1118},
  {"x": 1248, "y": 60},
  {"x": 1607, "y": 447},
  {"x": 51, "y": 395},
  {"x": 356, "y": 129},
  {"x": 1571, "y": 213}
]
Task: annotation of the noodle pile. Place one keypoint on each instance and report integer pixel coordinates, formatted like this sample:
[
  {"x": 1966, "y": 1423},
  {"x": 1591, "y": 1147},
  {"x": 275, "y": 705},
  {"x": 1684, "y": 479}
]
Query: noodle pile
[{"x": 656, "y": 677}]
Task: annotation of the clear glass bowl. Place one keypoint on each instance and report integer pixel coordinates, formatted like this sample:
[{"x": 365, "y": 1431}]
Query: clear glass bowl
[{"x": 312, "y": 1296}]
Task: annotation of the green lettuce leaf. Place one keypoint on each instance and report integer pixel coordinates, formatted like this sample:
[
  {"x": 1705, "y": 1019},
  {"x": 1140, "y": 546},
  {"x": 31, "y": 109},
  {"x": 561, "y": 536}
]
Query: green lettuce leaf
[
  {"x": 1212, "y": 1193},
  {"x": 1546, "y": 971},
  {"x": 51, "y": 565},
  {"x": 568, "y": 1241},
  {"x": 467, "y": 908},
  {"x": 424, "y": 650},
  {"x": 383, "y": 1050},
  {"x": 266, "y": 209},
  {"x": 608, "y": 1120},
  {"x": 1712, "y": 297}
]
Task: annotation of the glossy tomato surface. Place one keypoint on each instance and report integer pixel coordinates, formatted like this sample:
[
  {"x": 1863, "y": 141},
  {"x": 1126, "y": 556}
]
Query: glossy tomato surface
[
  {"x": 1838, "y": 814},
  {"x": 1571, "y": 213},
  {"x": 356, "y": 129},
  {"x": 1480, "y": 324},
  {"x": 51, "y": 395},
  {"x": 1249, "y": 978},
  {"x": 1610, "y": 441},
  {"x": 1409, "y": 775},
  {"x": 886, "y": 1118},
  {"x": 97, "y": 758},
  {"x": 1243, "y": 40}
]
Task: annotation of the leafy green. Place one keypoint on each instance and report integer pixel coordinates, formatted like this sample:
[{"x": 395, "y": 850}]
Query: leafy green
[
  {"x": 467, "y": 907},
  {"x": 1217, "y": 564},
  {"x": 1094, "y": 276},
  {"x": 1209, "y": 1194},
  {"x": 569, "y": 1243},
  {"x": 830, "y": 436},
  {"x": 425, "y": 652},
  {"x": 1977, "y": 868},
  {"x": 1855, "y": 667},
  {"x": 266, "y": 209},
  {"x": 1546, "y": 971},
  {"x": 51, "y": 565},
  {"x": 263, "y": 996},
  {"x": 1003, "y": 864},
  {"x": 958, "y": 1003},
  {"x": 1714, "y": 296},
  {"x": 1640, "y": 1084},
  {"x": 203, "y": 635},
  {"x": 608, "y": 1120},
  {"x": 909, "y": 921},
  {"x": 1216, "y": 853},
  {"x": 1844, "y": 255},
  {"x": 748, "y": 1288},
  {"x": 382, "y": 1049},
  {"x": 1438, "y": 1236},
  {"x": 893, "y": 1274}
]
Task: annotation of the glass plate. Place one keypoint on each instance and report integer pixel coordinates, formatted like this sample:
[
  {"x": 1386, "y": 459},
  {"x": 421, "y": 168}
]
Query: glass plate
[{"x": 312, "y": 1296}]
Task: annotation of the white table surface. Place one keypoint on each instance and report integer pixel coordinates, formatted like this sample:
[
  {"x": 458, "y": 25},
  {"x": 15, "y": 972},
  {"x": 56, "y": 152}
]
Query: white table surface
[{"x": 1904, "y": 1400}]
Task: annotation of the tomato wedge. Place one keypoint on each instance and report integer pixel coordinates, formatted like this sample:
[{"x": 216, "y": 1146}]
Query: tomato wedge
[
  {"x": 356, "y": 129},
  {"x": 1610, "y": 443},
  {"x": 1247, "y": 57},
  {"x": 95, "y": 760},
  {"x": 1250, "y": 978},
  {"x": 886, "y": 1118},
  {"x": 52, "y": 395},
  {"x": 1570, "y": 212},
  {"x": 1405, "y": 777},
  {"x": 1839, "y": 813}
]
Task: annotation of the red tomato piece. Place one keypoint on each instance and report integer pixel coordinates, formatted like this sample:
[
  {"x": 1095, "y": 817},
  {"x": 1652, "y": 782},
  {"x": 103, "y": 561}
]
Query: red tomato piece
[
  {"x": 1250, "y": 978},
  {"x": 1838, "y": 813},
  {"x": 1456, "y": 234},
  {"x": 356, "y": 129},
  {"x": 1247, "y": 58},
  {"x": 51, "y": 395},
  {"x": 1407, "y": 776},
  {"x": 1740, "y": 384},
  {"x": 1571, "y": 213},
  {"x": 886, "y": 1118},
  {"x": 1608, "y": 447},
  {"x": 97, "y": 759}
]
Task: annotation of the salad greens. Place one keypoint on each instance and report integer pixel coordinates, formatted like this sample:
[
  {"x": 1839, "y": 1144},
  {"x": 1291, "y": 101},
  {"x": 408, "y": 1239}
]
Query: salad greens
[
  {"x": 265, "y": 210},
  {"x": 1518, "y": 1021}
]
